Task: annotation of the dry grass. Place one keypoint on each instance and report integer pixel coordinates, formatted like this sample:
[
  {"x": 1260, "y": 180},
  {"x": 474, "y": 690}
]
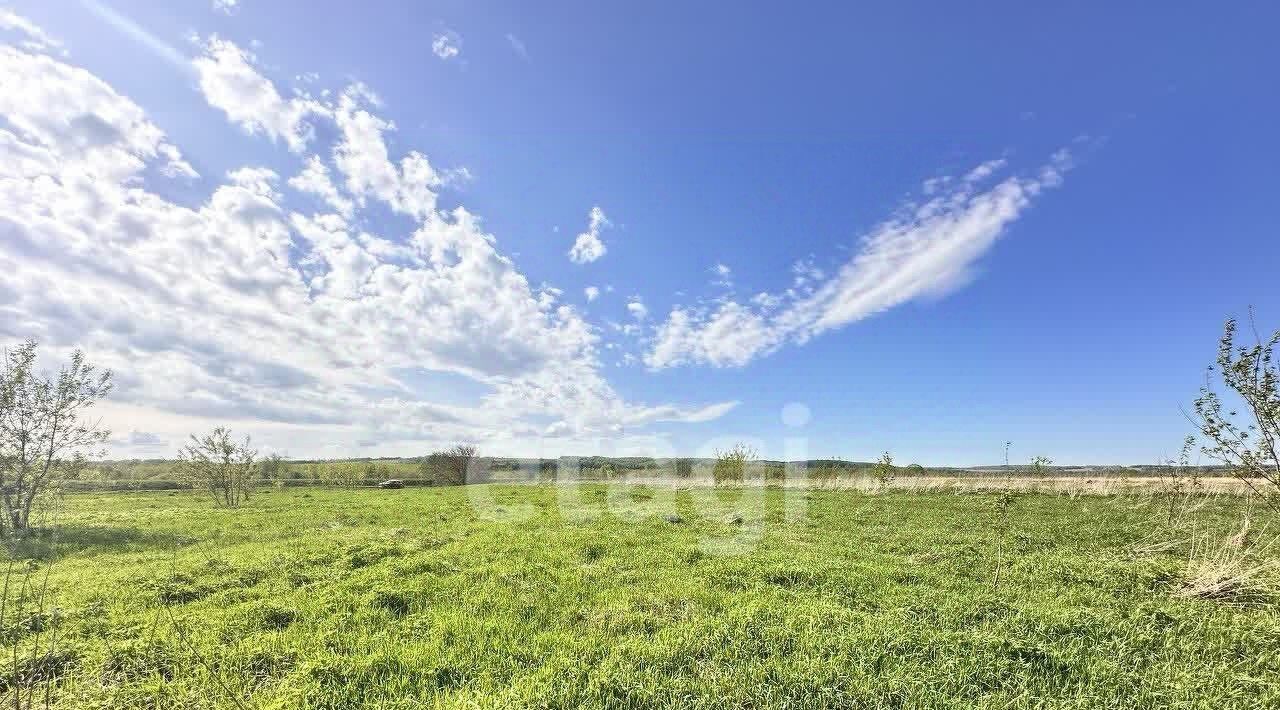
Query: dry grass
[
  {"x": 973, "y": 483},
  {"x": 1232, "y": 570}
]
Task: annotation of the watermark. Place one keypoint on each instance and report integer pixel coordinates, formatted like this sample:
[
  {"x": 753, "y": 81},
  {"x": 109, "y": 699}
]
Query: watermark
[{"x": 725, "y": 492}]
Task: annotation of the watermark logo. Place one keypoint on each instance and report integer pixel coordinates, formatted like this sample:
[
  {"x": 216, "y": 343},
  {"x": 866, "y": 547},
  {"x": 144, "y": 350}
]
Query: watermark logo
[{"x": 725, "y": 492}]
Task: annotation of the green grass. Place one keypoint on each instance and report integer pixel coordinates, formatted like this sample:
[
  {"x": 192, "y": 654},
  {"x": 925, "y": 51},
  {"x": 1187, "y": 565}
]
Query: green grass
[{"x": 507, "y": 596}]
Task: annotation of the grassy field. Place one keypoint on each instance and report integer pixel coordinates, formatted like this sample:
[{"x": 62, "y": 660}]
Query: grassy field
[{"x": 627, "y": 596}]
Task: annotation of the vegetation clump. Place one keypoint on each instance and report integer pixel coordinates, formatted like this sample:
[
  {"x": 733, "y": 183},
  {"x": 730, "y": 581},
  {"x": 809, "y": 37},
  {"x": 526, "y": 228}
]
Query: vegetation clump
[
  {"x": 731, "y": 465},
  {"x": 44, "y": 439},
  {"x": 884, "y": 471},
  {"x": 221, "y": 466},
  {"x": 452, "y": 466},
  {"x": 1250, "y": 443}
]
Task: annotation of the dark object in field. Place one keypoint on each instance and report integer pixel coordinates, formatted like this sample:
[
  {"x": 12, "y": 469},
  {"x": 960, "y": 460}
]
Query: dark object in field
[
  {"x": 393, "y": 483},
  {"x": 673, "y": 519}
]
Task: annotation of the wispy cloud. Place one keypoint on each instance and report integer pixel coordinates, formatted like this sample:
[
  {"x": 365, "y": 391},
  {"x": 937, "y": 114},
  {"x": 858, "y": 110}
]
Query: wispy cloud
[
  {"x": 37, "y": 40},
  {"x": 928, "y": 249},
  {"x": 139, "y": 34},
  {"x": 723, "y": 275}
]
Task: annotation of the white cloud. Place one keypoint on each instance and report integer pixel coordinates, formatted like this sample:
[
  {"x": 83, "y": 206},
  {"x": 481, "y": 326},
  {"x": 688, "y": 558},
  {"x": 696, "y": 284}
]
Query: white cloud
[
  {"x": 723, "y": 275},
  {"x": 363, "y": 158},
  {"x": 231, "y": 82},
  {"x": 637, "y": 309},
  {"x": 591, "y": 292},
  {"x": 928, "y": 249},
  {"x": 87, "y": 126},
  {"x": 244, "y": 307},
  {"x": 314, "y": 179},
  {"x": 985, "y": 170},
  {"x": 588, "y": 247},
  {"x": 447, "y": 44},
  {"x": 37, "y": 40},
  {"x": 227, "y": 7}
]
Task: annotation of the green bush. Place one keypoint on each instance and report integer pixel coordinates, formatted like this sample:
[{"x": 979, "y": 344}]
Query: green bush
[
  {"x": 731, "y": 465},
  {"x": 450, "y": 467}
]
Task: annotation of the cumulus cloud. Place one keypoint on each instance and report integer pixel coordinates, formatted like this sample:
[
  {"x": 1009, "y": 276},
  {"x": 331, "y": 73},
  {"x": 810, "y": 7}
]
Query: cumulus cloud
[
  {"x": 230, "y": 81},
  {"x": 637, "y": 309},
  {"x": 588, "y": 247},
  {"x": 927, "y": 249},
  {"x": 591, "y": 292},
  {"x": 247, "y": 305},
  {"x": 82, "y": 121},
  {"x": 227, "y": 7},
  {"x": 364, "y": 159},
  {"x": 314, "y": 179}
]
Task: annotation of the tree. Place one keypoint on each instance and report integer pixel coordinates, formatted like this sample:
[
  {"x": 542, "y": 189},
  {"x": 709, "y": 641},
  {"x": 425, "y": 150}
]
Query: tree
[
  {"x": 216, "y": 463},
  {"x": 1251, "y": 448},
  {"x": 450, "y": 467},
  {"x": 43, "y": 438}
]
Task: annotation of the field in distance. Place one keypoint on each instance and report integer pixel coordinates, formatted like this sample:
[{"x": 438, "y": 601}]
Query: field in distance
[{"x": 638, "y": 596}]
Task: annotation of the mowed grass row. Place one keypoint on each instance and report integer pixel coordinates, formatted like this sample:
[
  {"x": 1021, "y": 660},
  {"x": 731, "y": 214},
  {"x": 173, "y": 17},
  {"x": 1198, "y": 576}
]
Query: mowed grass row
[{"x": 623, "y": 596}]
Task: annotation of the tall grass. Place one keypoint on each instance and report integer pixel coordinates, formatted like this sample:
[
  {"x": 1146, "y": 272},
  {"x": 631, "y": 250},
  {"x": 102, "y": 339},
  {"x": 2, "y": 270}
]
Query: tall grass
[{"x": 334, "y": 598}]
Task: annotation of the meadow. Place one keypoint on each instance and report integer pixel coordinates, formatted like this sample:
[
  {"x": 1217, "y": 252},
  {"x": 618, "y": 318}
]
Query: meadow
[{"x": 634, "y": 596}]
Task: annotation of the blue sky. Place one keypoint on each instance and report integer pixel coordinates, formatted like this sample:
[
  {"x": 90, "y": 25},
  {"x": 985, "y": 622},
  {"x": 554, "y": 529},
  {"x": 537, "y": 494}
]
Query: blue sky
[{"x": 936, "y": 227}]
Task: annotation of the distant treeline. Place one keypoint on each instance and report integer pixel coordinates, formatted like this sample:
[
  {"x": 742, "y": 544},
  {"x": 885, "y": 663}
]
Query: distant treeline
[{"x": 165, "y": 474}]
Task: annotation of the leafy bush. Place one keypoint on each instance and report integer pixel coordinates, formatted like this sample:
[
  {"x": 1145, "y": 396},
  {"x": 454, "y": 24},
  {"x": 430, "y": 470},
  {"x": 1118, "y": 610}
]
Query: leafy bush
[
  {"x": 824, "y": 473},
  {"x": 684, "y": 468},
  {"x": 731, "y": 465},
  {"x": 1250, "y": 448},
  {"x": 884, "y": 470},
  {"x": 450, "y": 467},
  {"x": 272, "y": 468},
  {"x": 775, "y": 472},
  {"x": 219, "y": 465}
]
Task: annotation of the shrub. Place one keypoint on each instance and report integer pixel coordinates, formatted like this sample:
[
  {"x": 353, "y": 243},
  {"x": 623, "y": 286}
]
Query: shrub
[
  {"x": 1039, "y": 467},
  {"x": 272, "y": 468},
  {"x": 450, "y": 467},
  {"x": 219, "y": 465},
  {"x": 684, "y": 468},
  {"x": 775, "y": 472},
  {"x": 1179, "y": 484},
  {"x": 1250, "y": 448},
  {"x": 884, "y": 470},
  {"x": 824, "y": 473},
  {"x": 731, "y": 465}
]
